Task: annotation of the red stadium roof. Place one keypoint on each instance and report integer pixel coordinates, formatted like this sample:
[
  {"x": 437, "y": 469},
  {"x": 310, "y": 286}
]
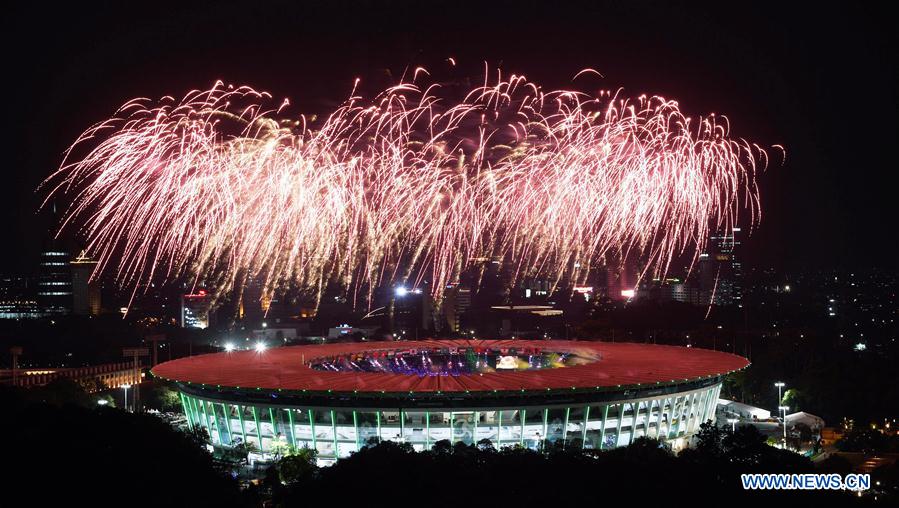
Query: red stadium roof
[{"x": 284, "y": 368}]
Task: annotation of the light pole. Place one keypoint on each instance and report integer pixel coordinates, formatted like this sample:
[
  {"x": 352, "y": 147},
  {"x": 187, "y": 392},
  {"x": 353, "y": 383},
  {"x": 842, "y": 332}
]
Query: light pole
[
  {"x": 779, "y": 385},
  {"x": 784, "y": 409},
  {"x": 125, "y": 387},
  {"x": 733, "y": 424}
]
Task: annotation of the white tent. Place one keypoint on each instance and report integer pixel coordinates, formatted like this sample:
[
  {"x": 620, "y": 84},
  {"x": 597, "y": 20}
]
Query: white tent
[
  {"x": 743, "y": 410},
  {"x": 814, "y": 422}
]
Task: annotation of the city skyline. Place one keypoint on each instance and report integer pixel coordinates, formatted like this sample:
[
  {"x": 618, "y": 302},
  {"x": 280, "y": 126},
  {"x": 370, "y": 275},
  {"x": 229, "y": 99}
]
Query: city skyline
[{"x": 800, "y": 227}]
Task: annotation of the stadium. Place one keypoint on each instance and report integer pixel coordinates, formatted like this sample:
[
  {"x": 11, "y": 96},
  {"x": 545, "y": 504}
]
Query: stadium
[{"x": 335, "y": 398}]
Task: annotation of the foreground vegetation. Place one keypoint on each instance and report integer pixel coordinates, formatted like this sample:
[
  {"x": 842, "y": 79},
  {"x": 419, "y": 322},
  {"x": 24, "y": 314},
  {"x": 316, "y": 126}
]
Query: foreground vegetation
[{"x": 76, "y": 452}]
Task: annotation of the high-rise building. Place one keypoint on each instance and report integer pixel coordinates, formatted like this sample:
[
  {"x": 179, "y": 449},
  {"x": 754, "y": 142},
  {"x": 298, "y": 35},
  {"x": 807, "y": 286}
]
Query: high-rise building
[
  {"x": 411, "y": 311},
  {"x": 720, "y": 272},
  {"x": 85, "y": 292},
  {"x": 456, "y": 300},
  {"x": 54, "y": 286},
  {"x": 195, "y": 310}
]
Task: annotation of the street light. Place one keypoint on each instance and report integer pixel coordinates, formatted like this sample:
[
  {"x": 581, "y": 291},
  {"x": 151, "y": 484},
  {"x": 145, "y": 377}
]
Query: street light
[
  {"x": 733, "y": 423},
  {"x": 125, "y": 387},
  {"x": 784, "y": 409},
  {"x": 779, "y": 385}
]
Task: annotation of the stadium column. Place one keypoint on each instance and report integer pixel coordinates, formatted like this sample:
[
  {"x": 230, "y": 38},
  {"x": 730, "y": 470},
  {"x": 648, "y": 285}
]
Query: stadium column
[
  {"x": 243, "y": 429},
  {"x": 620, "y": 419},
  {"x": 700, "y": 411},
  {"x": 258, "y": 428},
  {"x": 355, "y": 428},
  {"x": 190, "y": 424},
  {"x": 334, "y": 433},
  {"x": 312, "y": 430},
  {"x": 427, "y": 430},
  {"x": 694, "y": 414},
  {"x": 700, "y": 400},
  {"x": 474, "y": 436},
  {"x": 647, "y": 418},
  {"x": 717, "y": 394},
  {"x": 654, "y": 404},
  {"x": 688, "y": 415},
  {"x": 226, "y": 415},
  {"x": 672, "y": 416},
  {"x": 710, "y": 407},
  {"x": 584, "y": 430},
  {"x": 378, "y": 422},
  {"x": 522, "y": 414},
  {"x": 565, "y": 427},
  {"x": 293, "y": 428},
  {"x": 206, "y": 418},
  {"x": 602, "y": 432},
  {"x": 634, "y": 417},
  {"x": 545, "y": 428},
  {"x": 703, "y": 409},
  {"x": 276, "y": 435},
  {"x": 499, "y": 431},
  {"x": 680, "y": 415},
  {"x": 684, "y": 408},
  {"x": 192, "y": 404},
  {"x": 665, "y": 402}
]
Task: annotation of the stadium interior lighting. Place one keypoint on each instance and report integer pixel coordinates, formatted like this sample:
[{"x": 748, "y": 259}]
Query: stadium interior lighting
[
  {"x": 229, "y": 347},
  {"x": 260, "y": 347},
  {"x": 510, "y": 392},
  {"x": 401, "y": 291}
]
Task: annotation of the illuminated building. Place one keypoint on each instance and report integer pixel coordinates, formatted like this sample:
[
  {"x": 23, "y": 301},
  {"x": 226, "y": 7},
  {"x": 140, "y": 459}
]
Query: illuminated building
[
  {"x": 17, "y": 298},
  {"x": 85, "y": 292},
  {"x": 335, "y": 398},
  {"x": 54, "y": 286},
  {"x": 195, "y": 310},
  {"x": 411, "y": 311},
  {"x": 456, "y": 300},
  {"x": 721, "y": 273}
]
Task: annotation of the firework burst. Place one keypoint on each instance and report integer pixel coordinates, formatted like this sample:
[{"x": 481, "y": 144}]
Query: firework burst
[{"x": 409, "y": 186}]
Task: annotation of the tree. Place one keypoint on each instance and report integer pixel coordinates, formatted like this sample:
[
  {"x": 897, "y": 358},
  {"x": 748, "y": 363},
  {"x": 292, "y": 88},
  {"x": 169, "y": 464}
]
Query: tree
[
  {"x": 486, "y": 445},
  {"x": 709, "y": 439},
  {"x": 442, "y": 447},
  {"x": 242, "y": 451},
  {"x": 199, "y": 436},
  {"x": 297, "y": 466},
  {"x": 803, "y": 431},
  {"x": 162, "y": 398},
  {"x": 279, "y": 448},
  {"x": 793, "y": 399}
]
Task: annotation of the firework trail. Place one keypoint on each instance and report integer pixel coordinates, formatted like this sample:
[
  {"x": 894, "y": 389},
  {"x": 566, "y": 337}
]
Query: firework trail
[{"x": 409, "y": 186}]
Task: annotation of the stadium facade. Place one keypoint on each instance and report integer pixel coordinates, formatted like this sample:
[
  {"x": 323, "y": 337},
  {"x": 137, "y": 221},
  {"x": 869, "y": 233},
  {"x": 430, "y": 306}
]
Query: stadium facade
[{"x": 336, "y": 398}]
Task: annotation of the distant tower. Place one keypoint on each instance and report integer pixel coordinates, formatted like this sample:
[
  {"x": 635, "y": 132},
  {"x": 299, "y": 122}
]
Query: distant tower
[
  {"x": 54, "y": 286},
  {"x": 85, "y": 292},
  {"x": 456, "y": 300},
  {"x": 195, "y": 309},
  {"x": 720, "y": 272},
  {"x": 54, "y": 282}
]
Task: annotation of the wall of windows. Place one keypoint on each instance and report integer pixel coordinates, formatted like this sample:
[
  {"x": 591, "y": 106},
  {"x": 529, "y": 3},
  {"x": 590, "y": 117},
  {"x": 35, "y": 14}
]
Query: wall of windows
[{"x": 337, "y": 432}]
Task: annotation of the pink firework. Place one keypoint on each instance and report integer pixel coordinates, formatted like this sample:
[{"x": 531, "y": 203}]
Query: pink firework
[{"x": 409, "y": 186}]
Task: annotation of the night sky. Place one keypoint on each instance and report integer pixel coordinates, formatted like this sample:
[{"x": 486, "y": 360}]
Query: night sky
[{"x": 819, "y": 80}]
